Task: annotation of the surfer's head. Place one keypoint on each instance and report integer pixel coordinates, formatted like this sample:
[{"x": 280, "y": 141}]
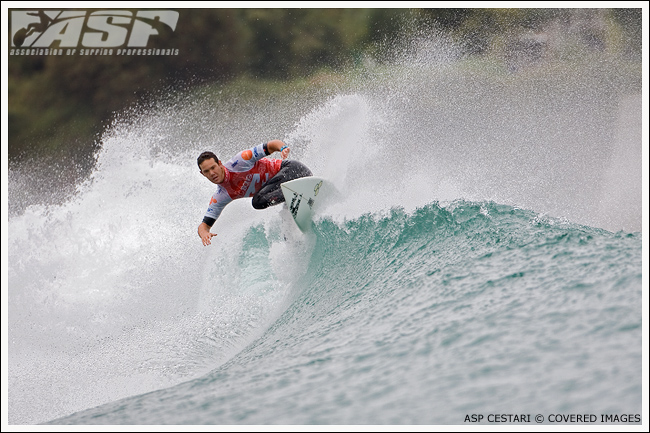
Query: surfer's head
[
  {"x": 205, "y": 156},
  {"x": 211, "y": 167}
]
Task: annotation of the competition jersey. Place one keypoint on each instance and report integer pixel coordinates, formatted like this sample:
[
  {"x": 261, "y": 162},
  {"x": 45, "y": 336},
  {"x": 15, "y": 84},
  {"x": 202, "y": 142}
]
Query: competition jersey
[{"x": 246, "y": 173}]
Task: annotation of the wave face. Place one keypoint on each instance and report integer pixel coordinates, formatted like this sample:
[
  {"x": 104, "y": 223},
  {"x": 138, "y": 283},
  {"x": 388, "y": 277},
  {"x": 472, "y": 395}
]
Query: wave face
[
  {"x": 484, "y": 255},
  {"x": 423, "y": 317}
]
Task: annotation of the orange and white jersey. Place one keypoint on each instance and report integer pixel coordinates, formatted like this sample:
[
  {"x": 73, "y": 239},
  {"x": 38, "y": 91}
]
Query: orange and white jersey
[{"x": 246, "y": 173}]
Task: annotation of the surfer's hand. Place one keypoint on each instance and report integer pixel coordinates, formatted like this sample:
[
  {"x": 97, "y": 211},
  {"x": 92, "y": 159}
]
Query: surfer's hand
[
  {"x": 206, "y": 238},
  {"x": 285, "y": 152},
  {"x": 204, "y": 234}
]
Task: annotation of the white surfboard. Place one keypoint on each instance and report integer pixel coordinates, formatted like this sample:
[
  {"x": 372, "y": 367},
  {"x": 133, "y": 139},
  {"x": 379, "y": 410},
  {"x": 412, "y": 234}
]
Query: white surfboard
[{"x": 302, "y": 197}]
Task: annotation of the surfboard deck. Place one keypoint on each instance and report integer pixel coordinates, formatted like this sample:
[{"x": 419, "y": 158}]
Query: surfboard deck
[{"x": 302, "y": 197}]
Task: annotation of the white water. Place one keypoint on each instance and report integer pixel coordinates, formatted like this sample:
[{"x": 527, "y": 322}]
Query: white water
[{"x": 111, "y": 293}]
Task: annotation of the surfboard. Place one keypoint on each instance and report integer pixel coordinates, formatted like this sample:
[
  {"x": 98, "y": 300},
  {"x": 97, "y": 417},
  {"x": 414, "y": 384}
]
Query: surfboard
[{"x": 302, "y": 197}]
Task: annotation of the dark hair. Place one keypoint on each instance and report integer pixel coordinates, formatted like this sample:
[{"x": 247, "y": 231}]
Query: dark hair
[{"x": 205, "y": 156}]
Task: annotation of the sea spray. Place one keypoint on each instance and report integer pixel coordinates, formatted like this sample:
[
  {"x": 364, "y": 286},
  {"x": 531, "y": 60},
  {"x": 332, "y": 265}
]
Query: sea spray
[{"x": 453, "y": 273}]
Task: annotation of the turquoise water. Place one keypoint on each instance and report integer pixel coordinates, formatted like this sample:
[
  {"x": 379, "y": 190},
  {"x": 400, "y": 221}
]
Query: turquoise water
[
  {"x": 484, "y": 256},
  {"x": 423, "y": 318}
]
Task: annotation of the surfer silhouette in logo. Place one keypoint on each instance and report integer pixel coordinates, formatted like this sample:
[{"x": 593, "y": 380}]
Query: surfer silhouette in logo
[{"x": 23, "y": 33}]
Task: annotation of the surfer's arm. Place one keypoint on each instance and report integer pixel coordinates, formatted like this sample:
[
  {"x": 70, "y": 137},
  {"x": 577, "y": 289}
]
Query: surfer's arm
[
  {"x": 204, "y": 233},
  {"x": 218, "y": 201},
  {"x": 278, "y": 146}
]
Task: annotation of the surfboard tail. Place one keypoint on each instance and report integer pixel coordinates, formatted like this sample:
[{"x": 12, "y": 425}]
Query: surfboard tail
[{"x": 302, "y": 197}]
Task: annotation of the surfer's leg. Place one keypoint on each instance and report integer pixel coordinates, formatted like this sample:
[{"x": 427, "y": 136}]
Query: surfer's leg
[{"x": 271, "y": 193}]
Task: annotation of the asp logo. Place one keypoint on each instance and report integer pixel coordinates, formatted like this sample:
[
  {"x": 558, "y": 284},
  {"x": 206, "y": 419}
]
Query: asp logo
[{"x": 97, "y": 29}]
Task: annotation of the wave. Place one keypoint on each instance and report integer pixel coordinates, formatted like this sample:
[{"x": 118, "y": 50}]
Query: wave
[
  {"x": 451, "y": 209},
  {"x": 472, "y": 299}
]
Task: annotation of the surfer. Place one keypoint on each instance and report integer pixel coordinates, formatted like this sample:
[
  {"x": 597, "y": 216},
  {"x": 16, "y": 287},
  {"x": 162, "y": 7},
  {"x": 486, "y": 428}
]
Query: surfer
[
  {"x": 40, "y": 27},
  {"x": 248, "y": 174}
]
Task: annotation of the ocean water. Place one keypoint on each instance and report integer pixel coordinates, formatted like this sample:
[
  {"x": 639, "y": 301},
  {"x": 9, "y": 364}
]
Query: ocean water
[
  {"x": 423, "y": 318},
  {"x": 484, "y": 256}
]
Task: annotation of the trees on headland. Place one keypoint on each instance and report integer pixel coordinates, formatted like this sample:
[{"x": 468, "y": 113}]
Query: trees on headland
[{"x": 57, "y": 102}]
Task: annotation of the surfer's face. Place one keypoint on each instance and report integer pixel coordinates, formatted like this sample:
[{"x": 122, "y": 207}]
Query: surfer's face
[{"x": 214, "y": 171}]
